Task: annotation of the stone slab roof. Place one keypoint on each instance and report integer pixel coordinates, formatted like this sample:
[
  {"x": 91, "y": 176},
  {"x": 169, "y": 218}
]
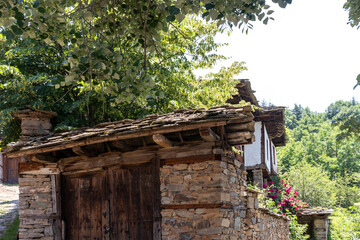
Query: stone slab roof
[
  {"x": 316, "y": 211},
  {"x": 179, "y": 120}
]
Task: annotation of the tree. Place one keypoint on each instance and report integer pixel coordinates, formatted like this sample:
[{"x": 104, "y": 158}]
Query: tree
[
  {"x": 354, "y": 12},
  {"x": 313, "y": 185},
  {"x": 112, "y": 43},
  {"x": 101, "y": 60},
  {"x": 32, "y": 69},
  {"x": 314, "y": 142},
  {"x": 353, "y": 7}
]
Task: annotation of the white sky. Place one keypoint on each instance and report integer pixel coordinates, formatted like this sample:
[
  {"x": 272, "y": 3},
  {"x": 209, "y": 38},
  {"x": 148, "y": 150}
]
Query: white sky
[{"x": 309, "y": 55}]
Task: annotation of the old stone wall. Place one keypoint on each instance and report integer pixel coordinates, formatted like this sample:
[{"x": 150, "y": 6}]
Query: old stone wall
[
  {"x": 35, "y": 207},
  {"x": 209, "y": 200},
  {"x": 321, "y": 228},
  {"x": 202, "y": 200},
  {"x": 261, "y": 223}
]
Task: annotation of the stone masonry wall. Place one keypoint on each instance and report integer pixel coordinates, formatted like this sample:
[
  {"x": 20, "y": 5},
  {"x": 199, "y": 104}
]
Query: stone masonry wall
[
  {"x": 34, "y": 206},
  {"x": 261, "y": 223},
  {"x": 217, "y": 183},
  {"x": 209, "y": 200},
  {"x": 321, "y": 228}
]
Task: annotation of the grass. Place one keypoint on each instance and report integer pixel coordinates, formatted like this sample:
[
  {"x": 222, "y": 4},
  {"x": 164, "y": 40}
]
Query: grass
[{"x": 12, "y": 231}]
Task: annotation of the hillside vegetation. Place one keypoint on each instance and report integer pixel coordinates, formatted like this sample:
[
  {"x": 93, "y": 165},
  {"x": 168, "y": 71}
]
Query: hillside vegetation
[{"x": 322, "y": 160}]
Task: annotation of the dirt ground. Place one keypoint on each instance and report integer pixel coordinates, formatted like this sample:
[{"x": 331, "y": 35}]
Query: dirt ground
[{"x": 9, "y": 202}]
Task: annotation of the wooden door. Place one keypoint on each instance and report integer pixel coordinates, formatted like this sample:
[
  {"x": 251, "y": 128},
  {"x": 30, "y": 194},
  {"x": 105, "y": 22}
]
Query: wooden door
[
  {"x": 119, "y": 203},
  {"x": 10, "y": 169},
  {"x": 85, "y": 207}
]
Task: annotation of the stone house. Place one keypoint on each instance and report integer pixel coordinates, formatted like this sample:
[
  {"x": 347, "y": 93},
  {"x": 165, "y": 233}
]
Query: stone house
[
  {"x": 260, "y": 158},
  {"x": 170, "y": 176}
]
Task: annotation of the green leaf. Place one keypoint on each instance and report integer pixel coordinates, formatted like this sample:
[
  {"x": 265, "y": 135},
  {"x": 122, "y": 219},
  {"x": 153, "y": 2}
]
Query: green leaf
[
  {"x": 78, "y": 35},
  {"x": 36, "y": 4},
  {"x": 174, "y": 10},
  {"x": 47, "y": 41},
  {"x": 7, "y": 22},
  {"x": 270, "y": 12},
  {"x": 282, "y": 3},
  {"x": 41, "y": 9},
  {"x": 358, "y": 81},
  {"x": 16, "y": 30},
  {"x": 19, "y": 16},
  {"x": 88, "y": 16},
  {"x": 9, "y": 35},
  {"x": 220, "y": 16},
  {"x": 170, "y": 18},
  {"x": 261, "y": 16},
  {"x": 205, "y": 14},
  {"x": 266, "y": 21},
  {"x": 209, "y": 6}
]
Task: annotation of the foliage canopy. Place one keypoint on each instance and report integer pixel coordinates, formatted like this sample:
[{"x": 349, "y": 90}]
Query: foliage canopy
[
  {"x": 104, "y": 60},
  {"x": 323, "y": 166}
]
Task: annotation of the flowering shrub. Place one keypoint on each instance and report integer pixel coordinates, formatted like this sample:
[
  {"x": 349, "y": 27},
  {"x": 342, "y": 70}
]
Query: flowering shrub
[
  {"x": 285, "y": 197},
  {"x": 281, "y": 198}
]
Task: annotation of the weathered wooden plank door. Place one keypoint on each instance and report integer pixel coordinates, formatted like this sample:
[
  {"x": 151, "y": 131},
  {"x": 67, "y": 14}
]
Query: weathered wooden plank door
[
  {"x": 119, "y": 203},
  {"x": 133, "y": 203},
  {"x": 84, "y": 207},
  {"x": 10, "y": 172}
]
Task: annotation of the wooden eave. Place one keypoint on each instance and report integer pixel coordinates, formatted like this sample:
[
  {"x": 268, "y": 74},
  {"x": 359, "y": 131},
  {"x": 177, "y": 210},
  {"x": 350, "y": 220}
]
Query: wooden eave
[
  {"x": 274, "y": 120},
  {"x": 244, "y": 93},
  {"x": 226, "y": 124}
]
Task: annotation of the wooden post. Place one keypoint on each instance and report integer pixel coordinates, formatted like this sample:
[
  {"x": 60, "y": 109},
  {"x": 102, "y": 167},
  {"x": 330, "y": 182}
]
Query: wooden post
[
  {"x": 56, "y": 200},
  {"x": 157, "y": 200}
]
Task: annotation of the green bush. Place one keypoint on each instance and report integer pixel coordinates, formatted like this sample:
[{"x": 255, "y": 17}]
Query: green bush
[
  {"x": 345, "y": 223},
  {"x": 297, "y": 231}
]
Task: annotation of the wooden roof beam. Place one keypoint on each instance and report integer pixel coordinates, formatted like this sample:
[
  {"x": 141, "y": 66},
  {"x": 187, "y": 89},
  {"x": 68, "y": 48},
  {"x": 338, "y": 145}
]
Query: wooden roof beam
[
  {"x": 163, "y": 141},
  {"x": 122, "y": 146},
  {"x": 208, "y": 135},
  {"x": 78, "y": 150}
]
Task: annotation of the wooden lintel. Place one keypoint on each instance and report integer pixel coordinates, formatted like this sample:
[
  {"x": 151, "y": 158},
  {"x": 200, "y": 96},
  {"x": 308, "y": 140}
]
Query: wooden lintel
[
  {"x": 81, "y": 172},
  {"x": 163, "y": 141},
  {"x": 122, "y": 146},
  {"x": 88, "y": 141},
  {"x": 208, "y": 135},
  {"x": 196, "y": 205},
  {"x": 82, "y": 152},
  {"x": 37, "y": 168},
  {"x": 191, "y": 159},
  {"x": 105, "y": 160}
]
